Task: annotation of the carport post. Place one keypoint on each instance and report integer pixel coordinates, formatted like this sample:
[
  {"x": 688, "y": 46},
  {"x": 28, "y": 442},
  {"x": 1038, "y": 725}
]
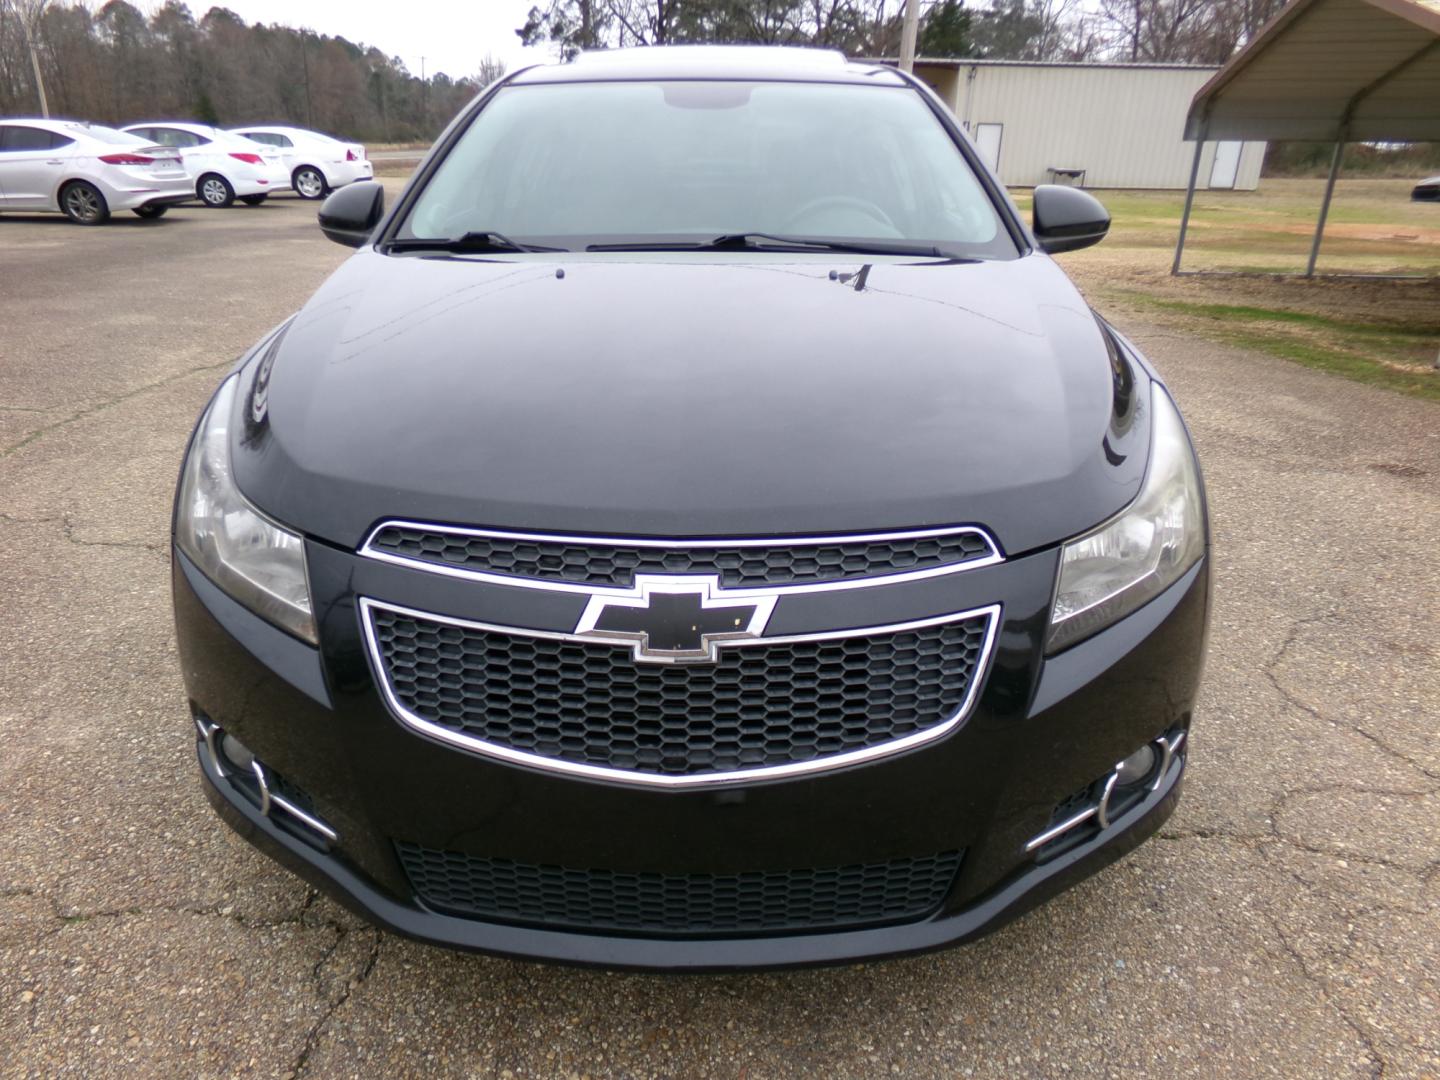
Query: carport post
[
  {"x": 1325, "y": 203},
  {"x": 1189, "y": 197}
]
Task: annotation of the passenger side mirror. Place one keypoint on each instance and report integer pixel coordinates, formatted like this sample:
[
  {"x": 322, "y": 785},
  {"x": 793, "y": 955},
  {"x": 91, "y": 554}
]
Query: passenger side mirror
[
  {"x": 350, "y": 215},
  {"x": 1067, "y": 219}
]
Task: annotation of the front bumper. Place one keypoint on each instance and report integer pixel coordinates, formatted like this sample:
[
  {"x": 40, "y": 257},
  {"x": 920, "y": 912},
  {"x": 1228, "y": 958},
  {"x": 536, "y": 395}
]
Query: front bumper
[
  {"x": 339, "y": 879},
  {"x": 1041, "y": 731}
]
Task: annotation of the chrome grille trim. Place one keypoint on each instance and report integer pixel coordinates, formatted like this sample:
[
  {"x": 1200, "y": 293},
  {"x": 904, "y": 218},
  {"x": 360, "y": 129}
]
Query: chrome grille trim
[
  {"x": 370, "y": 551},
  {"x": 990, "y": 613}
]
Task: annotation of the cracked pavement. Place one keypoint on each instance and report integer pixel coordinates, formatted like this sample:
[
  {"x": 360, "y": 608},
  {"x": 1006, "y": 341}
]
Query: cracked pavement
[{"x": 1285, "y": 923}]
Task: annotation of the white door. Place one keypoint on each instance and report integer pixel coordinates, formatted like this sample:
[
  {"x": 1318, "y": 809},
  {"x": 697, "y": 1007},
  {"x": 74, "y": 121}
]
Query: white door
[
  {"x": 1227, "y": 164},
  {"x": 31, "y": 165},
  {"x": 987, "y": 141}
]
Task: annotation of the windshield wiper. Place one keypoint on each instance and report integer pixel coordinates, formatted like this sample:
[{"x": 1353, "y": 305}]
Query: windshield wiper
[
  {"x": 762, "y": 241},
  {"x": 475, "y": 240}
]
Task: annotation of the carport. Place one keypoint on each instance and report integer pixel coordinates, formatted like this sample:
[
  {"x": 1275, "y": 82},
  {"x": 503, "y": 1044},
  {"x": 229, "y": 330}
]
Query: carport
[{"x": 1325, "y": 70}]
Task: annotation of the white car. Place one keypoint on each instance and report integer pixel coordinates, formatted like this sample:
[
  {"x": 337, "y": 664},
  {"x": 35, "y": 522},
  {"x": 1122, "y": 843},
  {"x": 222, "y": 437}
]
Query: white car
[
  {"x": 86, "y": 171},
  {"x": 223, "y": 167},
  {"x": 317, "y": 163}
]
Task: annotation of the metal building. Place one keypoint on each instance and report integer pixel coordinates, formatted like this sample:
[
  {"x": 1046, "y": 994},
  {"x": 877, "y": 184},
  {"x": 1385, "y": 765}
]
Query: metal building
[{"x": 1101, "y": 125}]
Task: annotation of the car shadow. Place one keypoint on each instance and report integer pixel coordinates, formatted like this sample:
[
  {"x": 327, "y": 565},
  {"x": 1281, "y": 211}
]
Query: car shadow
[{"x": 117, "y": 218}]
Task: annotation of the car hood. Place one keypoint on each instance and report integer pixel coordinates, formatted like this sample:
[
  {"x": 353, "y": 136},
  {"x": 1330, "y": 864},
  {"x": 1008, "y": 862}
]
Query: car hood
[{"x": 696, "y": 395}]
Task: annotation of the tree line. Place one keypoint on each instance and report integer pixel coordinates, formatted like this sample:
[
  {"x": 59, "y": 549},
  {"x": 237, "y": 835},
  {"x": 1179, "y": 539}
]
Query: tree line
[
  {"x": 1160, "y": 31},
  {"x": 112, "y": 63}
]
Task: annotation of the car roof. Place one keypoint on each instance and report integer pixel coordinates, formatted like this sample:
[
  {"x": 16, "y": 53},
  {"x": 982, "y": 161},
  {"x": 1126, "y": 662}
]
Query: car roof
[
  {"x": 183, "y": 125},
  {"x": 281, "y": 129},
  {"x": 61, "y": 126},
  {"x": 759, "y": 63},
  {"x": 41, "y": 122}
]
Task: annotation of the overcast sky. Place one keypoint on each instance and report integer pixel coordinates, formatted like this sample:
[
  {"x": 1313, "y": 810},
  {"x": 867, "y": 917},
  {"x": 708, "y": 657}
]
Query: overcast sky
[{"x": 452, "y": 35}]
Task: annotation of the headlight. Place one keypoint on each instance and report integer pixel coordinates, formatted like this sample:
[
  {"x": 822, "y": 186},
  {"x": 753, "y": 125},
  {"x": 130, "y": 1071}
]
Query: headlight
[
  {"x": 246, "y": 554},
  {"x": 1109, "y": 572}
]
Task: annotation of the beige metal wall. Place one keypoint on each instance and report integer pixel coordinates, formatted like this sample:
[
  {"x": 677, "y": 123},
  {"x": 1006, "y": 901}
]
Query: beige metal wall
[{"x": 1123, "y": 125}]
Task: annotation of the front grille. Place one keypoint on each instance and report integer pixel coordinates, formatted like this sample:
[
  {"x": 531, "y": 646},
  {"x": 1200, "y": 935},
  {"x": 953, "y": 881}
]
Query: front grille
[
  {"x": 764, "y": 901},
  {"x": 615, "y": 563},
  {"x": 756, "y": 706}
]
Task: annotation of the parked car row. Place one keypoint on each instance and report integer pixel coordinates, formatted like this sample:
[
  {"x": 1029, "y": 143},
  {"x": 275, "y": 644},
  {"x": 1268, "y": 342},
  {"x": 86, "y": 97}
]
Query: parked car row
[{"x": 88, "y": 171}]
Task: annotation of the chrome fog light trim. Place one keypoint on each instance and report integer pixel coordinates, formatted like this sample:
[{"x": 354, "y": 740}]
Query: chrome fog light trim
[
  {"x": 219, "y": 747},
  {"x": 1133, "y": 770}
]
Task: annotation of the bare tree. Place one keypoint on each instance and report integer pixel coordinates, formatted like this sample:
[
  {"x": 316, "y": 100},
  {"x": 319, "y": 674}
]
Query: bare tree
[
  {"x": 28, "y": 13},
  {"x": 1168, "y": 31},
  {"x": 489, "y": 70}
]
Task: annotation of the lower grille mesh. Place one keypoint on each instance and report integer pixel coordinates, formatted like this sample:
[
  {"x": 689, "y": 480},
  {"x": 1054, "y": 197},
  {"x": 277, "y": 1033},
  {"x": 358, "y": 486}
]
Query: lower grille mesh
[{"x": 764, "y": 901}]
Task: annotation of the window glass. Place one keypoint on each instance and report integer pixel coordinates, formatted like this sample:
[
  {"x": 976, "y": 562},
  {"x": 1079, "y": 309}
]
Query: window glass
[
  {"x": 110, "y": 135},
  {"x": 635, "y": 160},
  {"x": 178, "y": 137},
  {"x": 17, "y": 138}
]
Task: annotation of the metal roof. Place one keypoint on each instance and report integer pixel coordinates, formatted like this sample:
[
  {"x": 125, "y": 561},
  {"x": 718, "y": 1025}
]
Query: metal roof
[
  {"x": 1356, "y": 70},
  {"x": 1098, "y": 65}
]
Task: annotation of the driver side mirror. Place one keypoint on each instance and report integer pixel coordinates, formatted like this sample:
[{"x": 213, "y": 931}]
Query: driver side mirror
[
  {"x": 350, "y": 215},
  {"x": 1067, "y": 219}
]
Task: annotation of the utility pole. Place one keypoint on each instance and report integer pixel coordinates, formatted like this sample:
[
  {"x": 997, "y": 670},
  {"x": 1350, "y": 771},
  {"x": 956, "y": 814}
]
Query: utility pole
[
  {"x": 26, "y": 20},
  {"x": 909, "y": 30},
  {"x": 424, "y": 99},
  {"x": 305, "y": 63}
]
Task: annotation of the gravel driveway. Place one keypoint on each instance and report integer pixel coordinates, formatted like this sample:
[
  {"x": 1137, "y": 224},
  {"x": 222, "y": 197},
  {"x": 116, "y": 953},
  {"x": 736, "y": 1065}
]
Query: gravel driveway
[{"x": 1285, "y": 923}]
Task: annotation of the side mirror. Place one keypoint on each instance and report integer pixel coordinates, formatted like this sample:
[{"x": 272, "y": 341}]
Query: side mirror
[
  {"x": 1067, "y": 219},
  {"x": 350, "y": 215}
]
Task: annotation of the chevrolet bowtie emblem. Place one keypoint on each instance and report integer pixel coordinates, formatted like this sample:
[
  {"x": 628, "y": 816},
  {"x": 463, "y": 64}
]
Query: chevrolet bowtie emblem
[{"x": 667, "y": 619}]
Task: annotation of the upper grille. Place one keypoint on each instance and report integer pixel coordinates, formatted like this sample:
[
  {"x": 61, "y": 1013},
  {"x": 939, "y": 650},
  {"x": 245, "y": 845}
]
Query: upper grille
[
  {"x": 822, "y": 898},
  {"x": 756, "y": 706},
  {"x": 583, "y": 561}
]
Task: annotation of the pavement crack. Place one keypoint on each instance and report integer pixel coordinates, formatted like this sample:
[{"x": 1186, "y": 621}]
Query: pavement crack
[
  {"x": 109, "y": 403},
  {"x": 1322, "y": 986},
  {"x": 1259, "y": 842},
  {"x": 312, "y": 1037},
  {"x": 1290, "y": 698},
  {"x": 12, "y": 519},
  {"x": 1178, "y": 835},
  {"x": 68, "y": 529}
]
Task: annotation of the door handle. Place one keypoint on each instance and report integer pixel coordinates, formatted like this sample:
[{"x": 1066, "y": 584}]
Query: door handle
[{"x": 56, "y": 161}]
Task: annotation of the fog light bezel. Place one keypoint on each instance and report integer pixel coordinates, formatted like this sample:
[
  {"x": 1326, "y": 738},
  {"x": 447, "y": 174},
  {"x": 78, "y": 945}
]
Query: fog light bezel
[
  {"x": 258, "y": 784},
  {"x": 1114, "y": 799}
]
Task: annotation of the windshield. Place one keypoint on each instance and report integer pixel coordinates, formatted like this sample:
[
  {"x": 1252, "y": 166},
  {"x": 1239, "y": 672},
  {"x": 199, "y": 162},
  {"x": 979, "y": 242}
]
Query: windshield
[{"x": 569, "y": 165}]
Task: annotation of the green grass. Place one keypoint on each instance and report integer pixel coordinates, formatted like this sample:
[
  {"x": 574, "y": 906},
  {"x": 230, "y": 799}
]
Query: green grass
[
  {"x": 1395, "y": 356},
  {"x": 1419, "y": 384},
  {"x": 1373, "y": 227}
]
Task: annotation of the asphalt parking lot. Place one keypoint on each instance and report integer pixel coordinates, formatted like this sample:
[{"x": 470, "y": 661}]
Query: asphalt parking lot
[{"x": 1285, "y": 923}]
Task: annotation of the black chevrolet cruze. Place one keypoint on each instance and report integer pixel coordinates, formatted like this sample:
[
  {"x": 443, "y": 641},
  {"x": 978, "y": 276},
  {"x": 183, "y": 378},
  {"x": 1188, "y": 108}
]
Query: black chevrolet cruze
[{"x": 700, "y": 528}]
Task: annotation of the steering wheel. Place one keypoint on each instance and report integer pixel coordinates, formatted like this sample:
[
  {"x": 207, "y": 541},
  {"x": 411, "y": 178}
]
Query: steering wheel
[{"x": 838, "y": 202}]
